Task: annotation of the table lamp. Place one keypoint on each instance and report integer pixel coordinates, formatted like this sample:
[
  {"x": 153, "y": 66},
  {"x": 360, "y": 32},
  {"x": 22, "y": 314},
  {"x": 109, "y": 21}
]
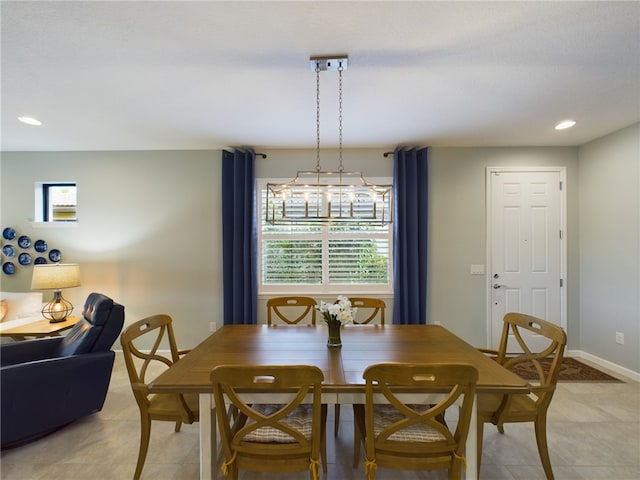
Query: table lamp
[{"x": 56, "y": 277}]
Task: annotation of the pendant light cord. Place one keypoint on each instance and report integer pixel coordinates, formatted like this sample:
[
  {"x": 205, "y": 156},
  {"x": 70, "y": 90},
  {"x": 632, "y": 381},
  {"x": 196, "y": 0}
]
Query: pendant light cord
[
  {"x": 340, "y": 68},
  {"x": 317, "y": 116}
]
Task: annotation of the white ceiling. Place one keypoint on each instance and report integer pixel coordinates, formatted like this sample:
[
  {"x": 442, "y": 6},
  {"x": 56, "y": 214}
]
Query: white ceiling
[{"x": 205, "y": 75}]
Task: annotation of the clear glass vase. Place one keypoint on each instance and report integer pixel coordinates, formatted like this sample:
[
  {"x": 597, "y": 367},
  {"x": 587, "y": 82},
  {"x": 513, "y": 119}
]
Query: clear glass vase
[{"x": 334, "y": 339}]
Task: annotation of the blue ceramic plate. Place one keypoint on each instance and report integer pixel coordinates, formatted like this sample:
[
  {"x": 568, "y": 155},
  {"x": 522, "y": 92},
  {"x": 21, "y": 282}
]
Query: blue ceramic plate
[
  {"x": 9, "y": 250},
  {"x": 40, "y": 246},
  {"x": 24, "y": 259},
  {"x": 9, "y": 268},
  {"x": 40, "y": 261},
  {"x": 24, "y": 241},
  {"x": 9, "y": 233},
  {"x": 55, "y": 255}
]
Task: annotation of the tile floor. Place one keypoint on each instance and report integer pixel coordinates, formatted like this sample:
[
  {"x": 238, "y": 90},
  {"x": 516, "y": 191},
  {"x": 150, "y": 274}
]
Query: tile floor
[{"x": 594, "y": 433}]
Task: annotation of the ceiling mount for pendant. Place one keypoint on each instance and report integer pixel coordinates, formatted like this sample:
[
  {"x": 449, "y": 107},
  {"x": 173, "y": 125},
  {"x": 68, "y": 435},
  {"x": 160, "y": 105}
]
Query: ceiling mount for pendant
[
  {"x": 323, "y": 196},
  {"x": 329, "y": 63}
]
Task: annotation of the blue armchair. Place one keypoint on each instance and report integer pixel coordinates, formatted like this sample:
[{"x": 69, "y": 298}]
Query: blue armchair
[{"x": 48, "y": 383}]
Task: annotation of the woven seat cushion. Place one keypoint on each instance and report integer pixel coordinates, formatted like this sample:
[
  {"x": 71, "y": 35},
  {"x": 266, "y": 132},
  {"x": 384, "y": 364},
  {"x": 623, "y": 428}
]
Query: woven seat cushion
[
  {"x": 386, "y": 415},
  {"x": 299, "y": 419}
]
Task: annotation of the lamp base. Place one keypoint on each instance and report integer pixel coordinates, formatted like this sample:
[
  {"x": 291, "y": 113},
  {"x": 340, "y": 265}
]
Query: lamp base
[
  {"x": 58, "y": 309},
  {"x": 53, "y": 320}
]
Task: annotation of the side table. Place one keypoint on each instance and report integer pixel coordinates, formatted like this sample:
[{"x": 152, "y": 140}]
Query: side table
[{"x": 39, "y": 328}]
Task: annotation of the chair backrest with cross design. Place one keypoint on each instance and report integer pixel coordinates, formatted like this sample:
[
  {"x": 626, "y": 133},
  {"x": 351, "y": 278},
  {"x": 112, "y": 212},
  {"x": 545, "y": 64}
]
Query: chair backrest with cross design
[
  {"x": 413, "y": 436},
  {"x": 291, "y": 310},
  {"x": 279, "y": 436}
]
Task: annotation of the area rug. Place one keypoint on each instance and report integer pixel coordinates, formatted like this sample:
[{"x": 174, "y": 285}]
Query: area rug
[{"x": 571, "y": 370}]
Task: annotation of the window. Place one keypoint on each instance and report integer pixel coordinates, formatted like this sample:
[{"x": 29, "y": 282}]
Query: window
[
  {"x": 329, "y": 259},
  {"x": 56, "y": 202}
]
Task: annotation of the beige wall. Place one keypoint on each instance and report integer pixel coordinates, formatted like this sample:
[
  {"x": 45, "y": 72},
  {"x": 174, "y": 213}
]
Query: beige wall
[
  {"x": 610, "y": 247},
  {"x": 457, "y": 233},
  {"x": 147, "y": 235}
]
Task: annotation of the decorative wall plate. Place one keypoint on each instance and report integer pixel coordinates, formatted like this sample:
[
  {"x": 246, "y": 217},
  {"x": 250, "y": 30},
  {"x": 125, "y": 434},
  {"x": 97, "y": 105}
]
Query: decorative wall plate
[
  {"x": 9, "y": 233},
  {"x": 55, "y": 255},
  {"x": 8, "y": 268},
  {"x": 40, "y": 261},
  {"x": 24, "y": 241},
  {"x": 40, "y": 246},
  {"x": 9, "y": 250},
  {"x": 24, "y": 259}
]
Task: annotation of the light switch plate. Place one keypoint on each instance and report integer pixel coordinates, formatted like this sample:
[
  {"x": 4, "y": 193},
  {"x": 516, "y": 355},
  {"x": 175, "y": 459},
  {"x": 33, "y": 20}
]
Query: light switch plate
[{"x": 477, "y": 269}]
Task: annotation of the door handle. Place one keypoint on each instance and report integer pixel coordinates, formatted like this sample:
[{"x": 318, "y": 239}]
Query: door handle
[{"x": 496, "y": 286}]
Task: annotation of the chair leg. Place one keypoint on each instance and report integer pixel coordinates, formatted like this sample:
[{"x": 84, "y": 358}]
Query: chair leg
[
  {"x": 145, "y": 434},
  {"x": 233, "y": 472},
  {"x": 543, "y": 449},
  {"x": 323, "y": 454},
  {"x": 178, "y": 426},
  {"x": 357, "y": 439},
  {"x": 358, "y": 432},
  {"x": 336, "y": 422},
  {"x": 455, "y": 470},
  {"x": 479, "y": 439},
  {"x": 323, "y": 440}
]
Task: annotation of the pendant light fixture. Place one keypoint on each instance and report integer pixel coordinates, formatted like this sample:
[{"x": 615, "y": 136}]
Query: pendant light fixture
[{"x": 321, "y": 196}]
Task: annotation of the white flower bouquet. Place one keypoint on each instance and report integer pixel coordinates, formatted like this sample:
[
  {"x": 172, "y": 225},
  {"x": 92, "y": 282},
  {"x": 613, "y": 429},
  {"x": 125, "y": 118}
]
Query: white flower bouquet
[
  {"x": 337, "y": 314},
  {"x": 341, "y": 310}
]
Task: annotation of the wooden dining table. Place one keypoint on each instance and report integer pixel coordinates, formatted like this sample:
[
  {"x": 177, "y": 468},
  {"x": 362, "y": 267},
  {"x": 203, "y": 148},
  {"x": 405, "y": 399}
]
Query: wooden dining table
[{"x": 362, "y": 345}]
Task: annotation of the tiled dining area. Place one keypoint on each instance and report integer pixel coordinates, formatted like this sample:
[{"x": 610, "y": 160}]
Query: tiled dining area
[{"x": 593, "y": 430}]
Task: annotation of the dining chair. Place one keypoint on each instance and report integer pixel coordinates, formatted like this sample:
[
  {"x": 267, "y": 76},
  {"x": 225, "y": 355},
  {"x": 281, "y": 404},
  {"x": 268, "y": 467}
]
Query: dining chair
[
  {"x": 271, "y": 437},
  {"x": 369, "y": 309},
  {"x": 143, "y": 362},
  {"x": 545, "y": 360},
  {"x": 410, "y": 436},
  {"x": 291, "y": 310}
]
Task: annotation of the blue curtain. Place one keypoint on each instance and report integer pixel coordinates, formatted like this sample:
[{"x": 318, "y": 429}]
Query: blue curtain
[
  {"x": 410, "y": 176},
  {"x": 239, "y": 264}
]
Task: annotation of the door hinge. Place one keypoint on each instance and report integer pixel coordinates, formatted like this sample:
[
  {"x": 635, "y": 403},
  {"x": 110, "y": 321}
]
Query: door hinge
[
  {"x": 561, "y": 283},
  {"x": 560, "y": 234},
  {"x": 561, "y": 186}
]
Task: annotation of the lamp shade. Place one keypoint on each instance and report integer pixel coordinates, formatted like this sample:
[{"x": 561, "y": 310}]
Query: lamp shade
[{"x": 55, "y": 277}]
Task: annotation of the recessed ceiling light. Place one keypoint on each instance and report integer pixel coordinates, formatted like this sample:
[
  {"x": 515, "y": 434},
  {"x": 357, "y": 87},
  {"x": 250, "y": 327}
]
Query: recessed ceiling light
[
  {"x": 30, "y": 121},
  {"x": 565, "y": 124}
]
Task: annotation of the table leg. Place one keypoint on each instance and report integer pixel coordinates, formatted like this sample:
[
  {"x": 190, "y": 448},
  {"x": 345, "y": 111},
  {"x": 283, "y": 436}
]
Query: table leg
[
  {"x": 472, "y": 444},
  {"x": 208, "y": 440}
]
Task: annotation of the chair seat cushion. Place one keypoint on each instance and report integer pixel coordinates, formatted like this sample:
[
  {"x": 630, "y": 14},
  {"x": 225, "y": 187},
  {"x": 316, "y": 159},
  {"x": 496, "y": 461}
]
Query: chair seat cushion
[
  {"x": 299, "y": 419},
  {"x": 386, "y": 415}
]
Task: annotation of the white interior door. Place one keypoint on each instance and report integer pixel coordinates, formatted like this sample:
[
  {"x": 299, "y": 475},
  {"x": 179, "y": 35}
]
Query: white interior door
[{"x": 526, "y": 246}]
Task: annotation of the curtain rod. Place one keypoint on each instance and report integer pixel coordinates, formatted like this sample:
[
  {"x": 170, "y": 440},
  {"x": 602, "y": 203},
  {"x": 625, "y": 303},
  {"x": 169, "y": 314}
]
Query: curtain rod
[{"x": 263, "y": 155}]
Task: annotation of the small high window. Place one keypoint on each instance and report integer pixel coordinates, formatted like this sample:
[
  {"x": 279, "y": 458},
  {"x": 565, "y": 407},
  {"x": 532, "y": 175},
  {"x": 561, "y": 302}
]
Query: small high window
[{"x": 56, "y": 202}]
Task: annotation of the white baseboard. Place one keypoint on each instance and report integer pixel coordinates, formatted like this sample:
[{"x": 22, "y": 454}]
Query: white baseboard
[{"x": 605, "y": 364}]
